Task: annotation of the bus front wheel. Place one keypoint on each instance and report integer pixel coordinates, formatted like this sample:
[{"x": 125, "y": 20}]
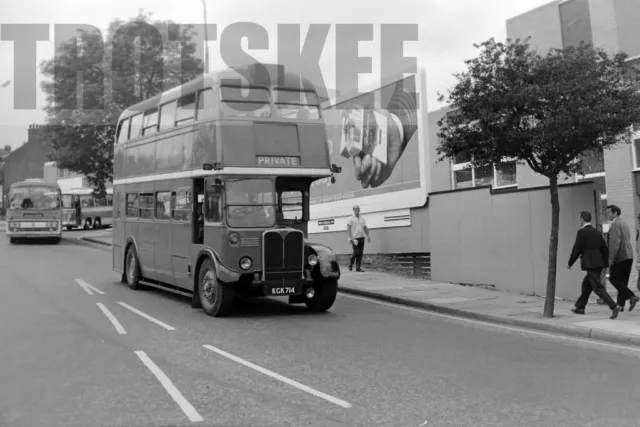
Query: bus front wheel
[
  {"x": 325, "y": 295},
  {"x": 216, "y": 299},
  {"x": 132, "y": 269}
]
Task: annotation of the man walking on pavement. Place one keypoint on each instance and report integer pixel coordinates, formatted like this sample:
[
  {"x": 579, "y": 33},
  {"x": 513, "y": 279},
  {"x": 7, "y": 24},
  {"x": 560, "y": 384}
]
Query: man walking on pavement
[
  {"x": 620, "y": 257},
  {"x": 356, "y": 231},
  {"x": 594, "y": 254}
]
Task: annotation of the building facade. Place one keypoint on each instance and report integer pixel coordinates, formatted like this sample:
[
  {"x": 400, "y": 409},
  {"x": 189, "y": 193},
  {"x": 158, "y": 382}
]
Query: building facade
[
  {"x": 613, "y": 25},
  {"x": 26, "y": 161}
]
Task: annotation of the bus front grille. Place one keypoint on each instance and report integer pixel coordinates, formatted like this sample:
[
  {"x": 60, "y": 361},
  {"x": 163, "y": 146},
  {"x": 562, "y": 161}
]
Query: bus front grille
[{"x": 283, "y": 251}]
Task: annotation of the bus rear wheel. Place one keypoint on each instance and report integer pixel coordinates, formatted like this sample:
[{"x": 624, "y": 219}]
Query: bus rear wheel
[
  {"x": 326, "y": 291},
  {"x": 132, "y": 269},
  {"x": 216, "y": 299}
]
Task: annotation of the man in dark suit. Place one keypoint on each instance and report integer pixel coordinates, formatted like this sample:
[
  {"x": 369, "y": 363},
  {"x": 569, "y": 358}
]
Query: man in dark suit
[
  {"x": 594, "y": 255},
  {"x": 620, "y": 257}
]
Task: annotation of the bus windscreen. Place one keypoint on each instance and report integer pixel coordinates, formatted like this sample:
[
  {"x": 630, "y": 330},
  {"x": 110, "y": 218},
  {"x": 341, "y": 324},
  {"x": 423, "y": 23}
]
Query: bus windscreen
[{"x": 36, "y": 197}]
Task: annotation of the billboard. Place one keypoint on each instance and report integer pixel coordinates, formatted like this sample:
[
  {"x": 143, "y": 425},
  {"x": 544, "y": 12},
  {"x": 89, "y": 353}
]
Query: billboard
[{"x": 378, "y": 139}]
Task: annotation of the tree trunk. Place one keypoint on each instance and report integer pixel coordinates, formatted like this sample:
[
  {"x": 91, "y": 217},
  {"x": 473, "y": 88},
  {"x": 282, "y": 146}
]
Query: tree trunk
[{"x": 553, "y": 248}]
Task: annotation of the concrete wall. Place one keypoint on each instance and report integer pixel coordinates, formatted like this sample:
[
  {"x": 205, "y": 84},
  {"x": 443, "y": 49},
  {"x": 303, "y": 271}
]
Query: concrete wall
[
  {"x": 627, "y": 18},
  {"x": 414, "y": 238},
  {"x": 541, "y": 23},
  {"x": 502, "y": 239}
]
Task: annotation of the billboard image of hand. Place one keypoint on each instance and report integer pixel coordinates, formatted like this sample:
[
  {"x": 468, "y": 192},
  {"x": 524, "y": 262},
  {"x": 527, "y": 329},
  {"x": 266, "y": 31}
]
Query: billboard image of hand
[{"x": 376, "y": 138}]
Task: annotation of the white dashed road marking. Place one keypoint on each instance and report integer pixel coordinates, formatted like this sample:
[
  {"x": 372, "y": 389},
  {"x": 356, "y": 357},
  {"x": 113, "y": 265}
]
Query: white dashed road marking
[
  {"x": 146, "y": 316},
  {"x": 112, "y": 318},
  {"x": 278, "y": 377},
  {"x": 88, "y": 288},
  {"x": 184, "y": 404}
]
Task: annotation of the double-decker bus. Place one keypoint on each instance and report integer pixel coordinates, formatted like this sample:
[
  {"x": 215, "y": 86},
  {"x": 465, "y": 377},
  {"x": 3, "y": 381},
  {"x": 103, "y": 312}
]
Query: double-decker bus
[
  {"x": 81, "y": 208},
  {"x": 211, "y": 191},
  {"x": 34, "y": 210}
]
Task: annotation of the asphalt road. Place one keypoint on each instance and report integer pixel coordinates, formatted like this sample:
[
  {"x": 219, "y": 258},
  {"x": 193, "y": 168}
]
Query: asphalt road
[{"x": 72, "y": 355}]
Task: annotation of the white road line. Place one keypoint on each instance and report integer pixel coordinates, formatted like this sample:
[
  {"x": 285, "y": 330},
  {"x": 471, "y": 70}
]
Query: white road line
[
  {"x": 497, "y": 326},
  {"x": 146, "y": 316},
  {"x": 88, "y": 288},
  {"x": 184, "y": 404},
  {"x": 285, "y": 380},
  {"x": 111, "y": 317}
]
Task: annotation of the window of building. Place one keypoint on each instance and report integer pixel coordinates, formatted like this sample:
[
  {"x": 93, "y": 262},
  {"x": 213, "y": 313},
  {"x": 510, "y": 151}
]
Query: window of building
[
  {"x": 592, "y": 163},
  {"x": 465, "y": 176},
  {"x": 635, "y": 147}
]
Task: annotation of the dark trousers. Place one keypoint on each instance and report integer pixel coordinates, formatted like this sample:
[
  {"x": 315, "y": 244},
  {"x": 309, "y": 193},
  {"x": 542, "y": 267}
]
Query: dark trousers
[
  {"x": 619, "y": 274},
  {"x": 357, "y": 252},
  {"x": 592, "y": 283}
]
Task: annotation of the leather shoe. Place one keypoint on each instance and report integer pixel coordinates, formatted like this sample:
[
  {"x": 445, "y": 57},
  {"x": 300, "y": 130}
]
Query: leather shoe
[
  {"x": 633, "y": 302},
  {"x": 614, "y": 312}
]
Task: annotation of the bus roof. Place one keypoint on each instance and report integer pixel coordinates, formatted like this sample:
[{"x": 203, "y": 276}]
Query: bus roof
[
  {"x": 84, "y": 191},
  {"x": 278, "y": 76},
  {"x": 34, "y": 181}
]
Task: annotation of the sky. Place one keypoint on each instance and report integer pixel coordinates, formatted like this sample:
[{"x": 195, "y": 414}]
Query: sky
[{"x": 447, "y": 30}]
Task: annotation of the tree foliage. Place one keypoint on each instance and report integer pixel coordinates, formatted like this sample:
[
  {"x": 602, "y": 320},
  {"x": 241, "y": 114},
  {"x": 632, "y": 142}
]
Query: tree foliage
[
  {"x": 118, "y": 71},
  {"x": 545, "y": 111}
]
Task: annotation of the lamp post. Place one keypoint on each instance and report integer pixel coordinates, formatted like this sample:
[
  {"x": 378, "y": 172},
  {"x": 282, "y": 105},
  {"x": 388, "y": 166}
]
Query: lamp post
[{"x": 206, "y": 38}]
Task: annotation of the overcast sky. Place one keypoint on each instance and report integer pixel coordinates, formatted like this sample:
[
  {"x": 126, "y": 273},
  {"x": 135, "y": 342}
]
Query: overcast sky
[{"x": 447, "y": 31}]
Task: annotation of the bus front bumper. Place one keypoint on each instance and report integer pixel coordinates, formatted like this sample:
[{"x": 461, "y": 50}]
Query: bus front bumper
[{"x": 33, "y": 234}]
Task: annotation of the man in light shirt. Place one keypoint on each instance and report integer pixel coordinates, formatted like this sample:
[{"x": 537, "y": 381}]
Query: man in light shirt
[{"x": 356, "y": 232}]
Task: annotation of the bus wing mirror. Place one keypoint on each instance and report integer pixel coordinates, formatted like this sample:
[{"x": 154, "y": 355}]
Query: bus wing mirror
[{"x": 335, "y": 168}]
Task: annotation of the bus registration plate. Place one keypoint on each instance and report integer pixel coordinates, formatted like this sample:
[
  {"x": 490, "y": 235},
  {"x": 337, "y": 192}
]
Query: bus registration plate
[
  {"x": 28, "y": 225},
  {"x": 283, "y": 290}
]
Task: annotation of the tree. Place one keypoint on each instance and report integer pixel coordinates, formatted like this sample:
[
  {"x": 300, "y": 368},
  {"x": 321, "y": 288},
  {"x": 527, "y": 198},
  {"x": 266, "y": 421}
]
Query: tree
[
  {"x": 81, "y": 135},
  {"x": 543, "y": 111}
]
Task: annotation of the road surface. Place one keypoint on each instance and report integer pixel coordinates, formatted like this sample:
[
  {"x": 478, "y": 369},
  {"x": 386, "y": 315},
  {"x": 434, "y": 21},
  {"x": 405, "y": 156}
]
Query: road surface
[{"x": 81, "y": 349}]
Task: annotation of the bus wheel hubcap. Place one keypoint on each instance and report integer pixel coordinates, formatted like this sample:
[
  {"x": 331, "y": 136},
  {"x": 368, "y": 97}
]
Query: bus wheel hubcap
[{"x": 208, "y": 286}]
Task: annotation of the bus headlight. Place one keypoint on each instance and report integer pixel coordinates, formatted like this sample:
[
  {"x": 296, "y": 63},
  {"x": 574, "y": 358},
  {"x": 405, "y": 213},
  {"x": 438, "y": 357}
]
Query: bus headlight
[
  {"x": 313, "y": 260},
  {"x": 234, "y": 238},
  {"x": 245, "y": 263}
]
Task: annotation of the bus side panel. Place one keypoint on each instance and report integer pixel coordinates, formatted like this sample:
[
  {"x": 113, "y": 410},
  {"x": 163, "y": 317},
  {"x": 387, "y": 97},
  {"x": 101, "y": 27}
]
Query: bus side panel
[
  {"x": 181, "y": 242},
  {"x": 314, "y": 151},
  {"x": 147, "y": 157},
  {"x": 162, "y": 234},
  {"x": 118, "y": 228},
  {"x": 118, "y": 161}
]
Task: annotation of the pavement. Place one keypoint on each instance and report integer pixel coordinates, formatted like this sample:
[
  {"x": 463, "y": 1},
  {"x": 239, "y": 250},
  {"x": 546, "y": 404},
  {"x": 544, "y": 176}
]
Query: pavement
[
  {"x": 79, "y": 348},
  {"x": 487, "y": 305}
]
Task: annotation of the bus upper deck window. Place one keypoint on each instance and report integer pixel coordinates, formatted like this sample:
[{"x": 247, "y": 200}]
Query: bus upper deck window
[
  {"x": 297, "y": 105},
  {"x": 244, "y": 102}
]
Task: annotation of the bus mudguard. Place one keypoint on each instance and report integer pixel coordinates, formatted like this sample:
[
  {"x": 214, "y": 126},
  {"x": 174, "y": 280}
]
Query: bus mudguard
[
  {"x": 327, "y": 260},
  {"x": 224, "y": 274}
]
